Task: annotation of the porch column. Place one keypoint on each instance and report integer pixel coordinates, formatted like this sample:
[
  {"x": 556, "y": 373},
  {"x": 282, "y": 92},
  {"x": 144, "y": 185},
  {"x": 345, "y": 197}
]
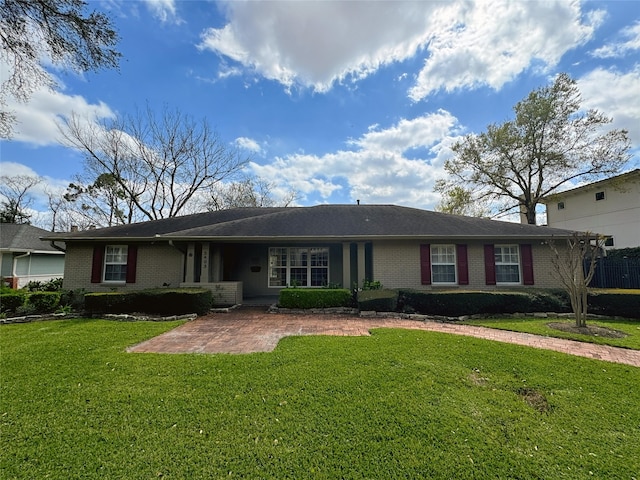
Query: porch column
[
  {"x": 216, "y": 264},
  {"x": 204, "y": 263},
  {"x": 361, "y": 263},
  {"x": 190, "y": 266},
  {"x": 346, "y": 265}
]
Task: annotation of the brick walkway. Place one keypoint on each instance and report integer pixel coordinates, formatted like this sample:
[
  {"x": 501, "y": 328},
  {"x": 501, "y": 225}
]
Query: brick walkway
[{"x": 249, "y": 330}]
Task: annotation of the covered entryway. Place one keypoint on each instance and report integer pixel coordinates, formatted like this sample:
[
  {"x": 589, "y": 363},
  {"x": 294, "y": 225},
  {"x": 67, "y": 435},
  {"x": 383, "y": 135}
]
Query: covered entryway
[{"x": 238, "y": 271}]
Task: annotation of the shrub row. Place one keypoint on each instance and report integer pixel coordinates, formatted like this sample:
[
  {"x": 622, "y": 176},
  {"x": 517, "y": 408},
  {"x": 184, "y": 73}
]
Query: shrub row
[
  {"x": 621, "y": 304},
  {"x": 454, "y": 304},
  {"x": 378, "y": 300},
  {"x": 154, "y": 302},
  {"x": 469, "y": 303},
  {"x": 314, "y": 298},
  {"x": 19, "y": 302}
]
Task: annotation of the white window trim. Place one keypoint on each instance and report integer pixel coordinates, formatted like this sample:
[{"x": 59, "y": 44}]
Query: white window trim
[
  {"x": 105, "y": 263},
  {"x": 288, "y": 266},
  {"x": 455, "y": 264},
  {"x": 519, "y": 263}
]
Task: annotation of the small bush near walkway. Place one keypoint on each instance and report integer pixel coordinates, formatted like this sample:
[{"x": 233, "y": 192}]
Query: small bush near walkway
[{"x": 314, "y": 298}]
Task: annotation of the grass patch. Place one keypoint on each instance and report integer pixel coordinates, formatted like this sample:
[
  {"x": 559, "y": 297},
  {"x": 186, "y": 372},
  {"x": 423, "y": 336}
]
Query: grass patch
[
  {"x": 398, "y": 404},
  {"x": 540, "y": 326}
]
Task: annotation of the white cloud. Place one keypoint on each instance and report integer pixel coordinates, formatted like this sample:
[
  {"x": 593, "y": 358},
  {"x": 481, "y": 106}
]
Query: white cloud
[
  {"x": 248, "y": 144},
  {"x": 164, "y": 10},
  {"x": 37, "y": 120},
  {"x": 630, "y": 42},
  {"x": 465, "y": 44},
  {"x": 620, "y": 98},
  {"x": 379, "y": 169},
  {"x": 317, "y": 43},
  {"x": 492, "y": 42}
]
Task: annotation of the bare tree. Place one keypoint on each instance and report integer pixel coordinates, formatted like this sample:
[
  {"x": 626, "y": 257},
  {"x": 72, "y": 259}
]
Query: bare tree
[
  {"x": 551, "y": 142},
  {"x": 59, "y": 32},
  {"x": 569, "y": 266},
  {"x": 16, "y": 197},
  {"x": 249, "y": 192},
  {"x": 66, "y": 215},
  {"x": 156, "y": 165}
]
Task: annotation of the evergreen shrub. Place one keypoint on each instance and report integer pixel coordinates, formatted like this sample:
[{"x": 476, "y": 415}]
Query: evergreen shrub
[
  {"x": 155, "y": 302},
  {"x": 314, "y": 298}
]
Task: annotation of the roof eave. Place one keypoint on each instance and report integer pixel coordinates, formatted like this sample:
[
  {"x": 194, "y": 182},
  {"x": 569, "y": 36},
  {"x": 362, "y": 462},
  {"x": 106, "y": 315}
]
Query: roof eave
[{"x": 355, "y": 238}]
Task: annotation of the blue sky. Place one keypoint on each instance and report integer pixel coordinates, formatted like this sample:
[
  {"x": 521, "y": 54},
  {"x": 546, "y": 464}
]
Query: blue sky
[{"x": 340, "y": 100}]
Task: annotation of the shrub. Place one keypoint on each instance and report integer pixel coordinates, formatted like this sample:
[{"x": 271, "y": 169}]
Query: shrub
[
  {"x": 633, "y": 252},
  {"x": 53, "y": 285},
  {"x": 371, "y": 285},
  {"x": 550, "y": 300},
  {"x": 11, "y": 301},
  {"x": 378, "y": 300},
  {"x": 455, "y": 304},
  {"x": 73, "y": 299},
  {"x": 314, "y": 298},
  {"x": 620, "y": 304},
  {"x": 43, "y": 302},
  {"x": 160, "y": 301}
]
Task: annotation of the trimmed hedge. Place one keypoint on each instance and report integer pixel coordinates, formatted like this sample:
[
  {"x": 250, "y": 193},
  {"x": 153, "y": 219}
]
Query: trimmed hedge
[
  {"x": 378, "y": 300},
  {"x": 454, "y": 304},
  {"x": 314, "y": 298},
  {"x": 12, "y": 300},
  {"x": 156, "y": 302},
  {"x": 614, "y": 304},
  {"x": 43, "y": 302}
]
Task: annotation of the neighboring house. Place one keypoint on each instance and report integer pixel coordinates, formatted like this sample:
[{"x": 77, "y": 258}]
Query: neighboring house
[
  {"x": 251, "y": 252},
  {"x": 610, "y": 207},
  {"x": 25, "y": 258}
]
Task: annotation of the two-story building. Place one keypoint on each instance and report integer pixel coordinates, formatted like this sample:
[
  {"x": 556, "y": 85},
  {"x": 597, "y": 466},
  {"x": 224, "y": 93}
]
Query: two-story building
[{"x": 610, "y": 207}]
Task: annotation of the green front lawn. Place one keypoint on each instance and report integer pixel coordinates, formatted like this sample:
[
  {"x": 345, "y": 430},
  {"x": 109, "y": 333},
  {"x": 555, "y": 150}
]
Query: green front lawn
[
  {"x": 539, "y": 326},
  {"x": 398, "y": 404}
]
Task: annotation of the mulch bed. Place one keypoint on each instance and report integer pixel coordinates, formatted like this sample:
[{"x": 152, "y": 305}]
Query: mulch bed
[{"x": 593, "y": 330}]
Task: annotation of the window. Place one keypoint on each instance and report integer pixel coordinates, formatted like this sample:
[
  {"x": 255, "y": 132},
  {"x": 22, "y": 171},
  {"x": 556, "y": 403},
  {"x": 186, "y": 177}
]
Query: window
[
  {"x": 599, "y": 196},
  {"x": 507, "y": 262},
  {"x": 560, "y": 205},
  {"x": 608, "y": 242},
  {"x": 115, "y": 263},
  {"x": 443, "y": 263},
  {"x": 298, "y": 266}
]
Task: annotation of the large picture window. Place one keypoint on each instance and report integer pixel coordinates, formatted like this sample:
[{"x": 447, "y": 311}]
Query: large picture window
[
  {"x": 507, "y": 261},
  {"x": 115, "y": 263},
  {"x": 298, "y": 266},
  {"x": 443, "y": 264}
]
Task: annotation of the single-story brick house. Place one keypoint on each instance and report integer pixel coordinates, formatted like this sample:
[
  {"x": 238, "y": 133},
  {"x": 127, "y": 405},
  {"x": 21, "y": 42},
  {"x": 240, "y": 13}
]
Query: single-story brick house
[{"x": 251, "y": 252}]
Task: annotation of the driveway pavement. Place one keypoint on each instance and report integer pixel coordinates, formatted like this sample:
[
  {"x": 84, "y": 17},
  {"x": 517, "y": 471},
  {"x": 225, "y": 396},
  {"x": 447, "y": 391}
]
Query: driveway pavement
[{"x": 248, "y": 330}]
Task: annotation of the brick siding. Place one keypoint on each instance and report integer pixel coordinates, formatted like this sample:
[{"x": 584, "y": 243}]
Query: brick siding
[{"x": 397, "y": 265}]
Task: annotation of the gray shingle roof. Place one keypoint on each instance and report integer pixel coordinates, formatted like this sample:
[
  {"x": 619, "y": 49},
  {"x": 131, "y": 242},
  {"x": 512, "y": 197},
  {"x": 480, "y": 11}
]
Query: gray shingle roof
[
  {"x": 322, "y": 221},
  {"x": 23, "y": 238}
]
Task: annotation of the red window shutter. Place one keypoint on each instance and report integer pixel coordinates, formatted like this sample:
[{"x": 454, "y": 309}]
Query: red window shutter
[
  {"x": 425, "y": 264},
  {"x": 489, "y": 265},
  {"x": 132, "y": 257},
  {"x": 96, "y": 264},
  {"x": 526, "y": 257},
  {"x": 463, "y": 265}
]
